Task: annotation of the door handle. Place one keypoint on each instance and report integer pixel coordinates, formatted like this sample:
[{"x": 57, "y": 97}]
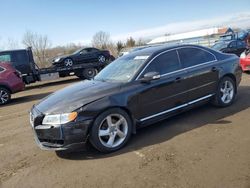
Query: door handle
[
  {"x": 178, "y": 79},
  {"x": 214, "y": 69}
]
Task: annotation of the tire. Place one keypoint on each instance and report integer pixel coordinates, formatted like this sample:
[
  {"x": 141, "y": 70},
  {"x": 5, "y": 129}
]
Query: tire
[
  {"x": 68, "y": 62},
  {"x": 108, "y": 137},
  {"x": 89, "y": 73},
  {"x": 101, "y": 59},
  {"x": 225, "y": 93},
  {"x": 5, "y": 96}
]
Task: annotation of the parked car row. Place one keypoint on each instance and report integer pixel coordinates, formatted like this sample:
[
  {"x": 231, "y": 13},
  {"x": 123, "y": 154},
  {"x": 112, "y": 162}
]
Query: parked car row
[
  {"x": 236, "y": 47},
  {"x": 137, "y": 89}
]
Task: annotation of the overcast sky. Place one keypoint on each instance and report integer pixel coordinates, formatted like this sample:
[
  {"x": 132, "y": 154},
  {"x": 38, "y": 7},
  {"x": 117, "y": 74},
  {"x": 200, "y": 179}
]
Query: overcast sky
[{"x": 66, "y": 21}]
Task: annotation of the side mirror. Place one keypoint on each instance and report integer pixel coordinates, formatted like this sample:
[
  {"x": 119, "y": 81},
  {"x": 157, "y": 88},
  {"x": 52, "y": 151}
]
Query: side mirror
[{"x": 150, "y": 76}]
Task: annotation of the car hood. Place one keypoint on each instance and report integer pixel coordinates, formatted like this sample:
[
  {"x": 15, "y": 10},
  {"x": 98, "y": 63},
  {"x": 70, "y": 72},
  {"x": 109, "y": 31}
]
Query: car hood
[
  {"x": 61, "y": 57},
  {"x": 76, "y": 96}
]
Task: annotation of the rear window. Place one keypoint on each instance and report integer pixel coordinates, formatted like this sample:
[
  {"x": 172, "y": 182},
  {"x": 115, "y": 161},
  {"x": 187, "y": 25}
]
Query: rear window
[
  {"x": 20, "y": 58},
  {"x": 194, "y": 56}
]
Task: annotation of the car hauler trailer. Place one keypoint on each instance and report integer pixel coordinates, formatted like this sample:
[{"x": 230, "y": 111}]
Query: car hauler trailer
[{"x": 24, "y": 62}]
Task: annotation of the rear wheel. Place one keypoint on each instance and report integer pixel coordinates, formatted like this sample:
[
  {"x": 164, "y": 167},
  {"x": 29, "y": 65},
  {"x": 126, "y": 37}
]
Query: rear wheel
[
  {"x": 102, "y": 59},
  {"x": 4, "y": 96},
  {"x": 111, "y": 130},
  {"x": 226, "y": 91},
  {"x": 89, "y": 73}
]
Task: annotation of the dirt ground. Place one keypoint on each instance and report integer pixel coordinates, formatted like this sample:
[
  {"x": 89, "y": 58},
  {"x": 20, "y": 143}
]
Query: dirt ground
[{"x": 205, "y": 147}]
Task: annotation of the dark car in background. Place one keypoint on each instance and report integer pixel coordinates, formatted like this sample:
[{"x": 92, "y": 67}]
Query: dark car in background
[
  {"x": 135, "y": 90},
  {"x": 83, "y": 55},
  {"x": 10, "y": 82},
  {"x": 230, "y": 46}
]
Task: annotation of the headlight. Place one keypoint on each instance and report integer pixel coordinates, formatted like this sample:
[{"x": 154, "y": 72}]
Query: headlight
[
  {"x": 57, "y": 59},
  {"x": 243, "y": 55},
  {"x": 59, "y": 118}
]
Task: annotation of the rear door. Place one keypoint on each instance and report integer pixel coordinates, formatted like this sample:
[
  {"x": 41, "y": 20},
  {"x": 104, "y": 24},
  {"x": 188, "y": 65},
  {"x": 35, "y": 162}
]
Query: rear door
[
  {"x": 202, "y": 72},
  {"x": 83, "y": 56},
  {"x": 166, "y": 93}
]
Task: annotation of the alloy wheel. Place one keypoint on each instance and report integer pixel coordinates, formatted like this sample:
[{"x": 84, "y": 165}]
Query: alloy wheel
[
  {"x": 101, "y": 59},
  {"x": 113, "y": 130},
  {"x": 4, "y": 97},
  {"x": 68, "y": 62},
  {"x": 227, "y": 92}
]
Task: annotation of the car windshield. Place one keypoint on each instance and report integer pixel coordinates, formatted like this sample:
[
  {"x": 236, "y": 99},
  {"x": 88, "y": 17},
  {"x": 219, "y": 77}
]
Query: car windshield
[
  {"x": 123, "y": 69},
  {"x": 219, "y": 45},
  {"x": 77, "y": 51}
]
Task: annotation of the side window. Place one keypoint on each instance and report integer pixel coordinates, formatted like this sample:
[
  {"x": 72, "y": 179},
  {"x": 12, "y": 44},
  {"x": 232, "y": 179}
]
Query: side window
[
  {"x": 240, "y": 44},
  {"x": 232, "y": 44},
  {"x": 5, "y": 57},
  {"x": 93, "y": 50},
  {"x": 84, "y": 51},
  {"x": 194, "y": 56},
  {"x": 165, "y": 63}
]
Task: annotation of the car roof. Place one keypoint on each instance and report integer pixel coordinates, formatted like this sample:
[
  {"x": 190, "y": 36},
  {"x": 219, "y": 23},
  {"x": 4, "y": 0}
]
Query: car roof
[
  {"x": 153, "y": 50},
  {"x": 17, "y": 50}
]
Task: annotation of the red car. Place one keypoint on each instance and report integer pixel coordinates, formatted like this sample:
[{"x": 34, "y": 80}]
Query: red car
[
  {"x": 10, "y": 82},
  {"x": 245, "y": 60}
]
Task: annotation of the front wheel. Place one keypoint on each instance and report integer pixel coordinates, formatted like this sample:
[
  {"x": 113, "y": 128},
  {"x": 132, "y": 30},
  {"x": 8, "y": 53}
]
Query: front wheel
[
  {"x": 226, "y": 91},
  {"x": 111, "y": 130},
  {"x": 4, "y": 96},
  {"x": 68, "y": 62}
]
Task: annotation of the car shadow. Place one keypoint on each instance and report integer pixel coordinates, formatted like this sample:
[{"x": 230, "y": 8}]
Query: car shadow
[
  {"x": 27, "y": 98},
  {"x": 168, "y": 129}
]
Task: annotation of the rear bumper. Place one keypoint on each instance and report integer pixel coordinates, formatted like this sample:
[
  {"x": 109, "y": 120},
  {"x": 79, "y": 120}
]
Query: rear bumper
[
  {"x": 61, "y": 137},
  {"x": 18, "y": 86}
]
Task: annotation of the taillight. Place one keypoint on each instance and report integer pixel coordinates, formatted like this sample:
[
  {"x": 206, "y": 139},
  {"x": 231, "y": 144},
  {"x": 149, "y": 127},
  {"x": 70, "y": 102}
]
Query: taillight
[{"x": 18, "y": 74}]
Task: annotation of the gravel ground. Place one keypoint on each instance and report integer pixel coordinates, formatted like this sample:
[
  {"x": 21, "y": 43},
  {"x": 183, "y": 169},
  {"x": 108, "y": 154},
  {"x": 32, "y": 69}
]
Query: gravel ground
[{"x": 204, "y": 147}]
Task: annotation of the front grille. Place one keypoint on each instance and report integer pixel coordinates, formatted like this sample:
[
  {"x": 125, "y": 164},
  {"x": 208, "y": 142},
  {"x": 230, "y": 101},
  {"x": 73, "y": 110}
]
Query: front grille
[{"x": 50, "y": 141}]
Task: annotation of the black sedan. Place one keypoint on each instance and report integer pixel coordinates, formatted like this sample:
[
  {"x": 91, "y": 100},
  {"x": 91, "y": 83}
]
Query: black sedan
[
  {"x": 84, "y": 55},
  {"x": 135, "y": 90},
  {"x": 231, "y": 46}
]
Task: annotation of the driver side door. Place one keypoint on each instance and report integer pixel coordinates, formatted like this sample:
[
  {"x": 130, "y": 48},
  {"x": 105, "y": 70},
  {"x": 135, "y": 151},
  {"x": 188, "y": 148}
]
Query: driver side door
[
  {"x": 167, "y": 94},
  {"x": 83, "y": 56}
]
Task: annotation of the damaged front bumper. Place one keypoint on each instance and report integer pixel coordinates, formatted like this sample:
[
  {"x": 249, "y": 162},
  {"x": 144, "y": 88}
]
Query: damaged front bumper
[{"x": 59, "y": 137}]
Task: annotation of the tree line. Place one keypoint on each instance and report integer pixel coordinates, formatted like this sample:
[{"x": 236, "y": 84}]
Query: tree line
[{"x": 44, "y": 52}]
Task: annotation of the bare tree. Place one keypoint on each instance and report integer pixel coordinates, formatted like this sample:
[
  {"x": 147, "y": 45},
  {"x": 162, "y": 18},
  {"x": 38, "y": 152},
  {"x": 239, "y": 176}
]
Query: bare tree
[
  {"x": 130, "y": 42},
  {"x": 40, "y": 44},
  {"x": 119, "y": 46},
  {"x": 101, "y": 40},
  {"x": 140, "y": 42}
]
